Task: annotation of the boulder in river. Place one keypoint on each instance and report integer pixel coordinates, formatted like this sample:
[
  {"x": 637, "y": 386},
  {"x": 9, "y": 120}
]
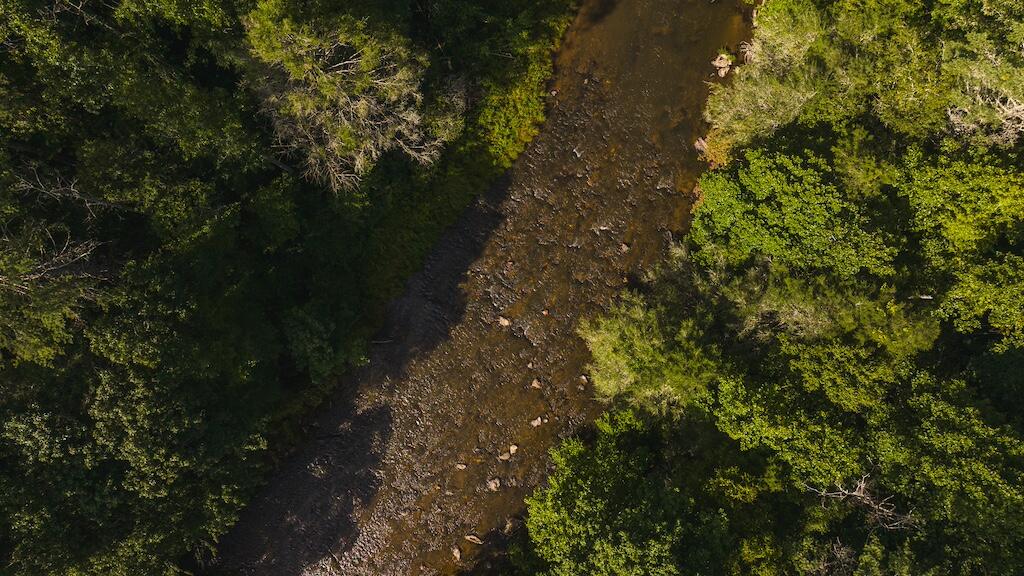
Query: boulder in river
[
  {"x": 722, "y": 61},
  {"x": 701, "y": 145}
]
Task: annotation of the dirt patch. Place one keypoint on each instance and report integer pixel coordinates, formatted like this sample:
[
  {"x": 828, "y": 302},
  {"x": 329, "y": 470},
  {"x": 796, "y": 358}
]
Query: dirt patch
[{"x": 478, "y": 372}]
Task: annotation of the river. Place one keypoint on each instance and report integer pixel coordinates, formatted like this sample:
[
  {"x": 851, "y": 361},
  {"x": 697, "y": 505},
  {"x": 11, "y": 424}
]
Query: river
[{"x": 481, "y": 352}]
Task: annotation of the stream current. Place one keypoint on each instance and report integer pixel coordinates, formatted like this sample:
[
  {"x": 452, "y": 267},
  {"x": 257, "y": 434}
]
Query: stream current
[{"x": 481, "y": 353}]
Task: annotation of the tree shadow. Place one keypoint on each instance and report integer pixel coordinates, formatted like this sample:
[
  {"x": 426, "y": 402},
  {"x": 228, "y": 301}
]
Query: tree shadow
[
  {"x": 433, "y": 301},
  {"x": 595, "y": 11},
  {"x": 309, "y": 511}
]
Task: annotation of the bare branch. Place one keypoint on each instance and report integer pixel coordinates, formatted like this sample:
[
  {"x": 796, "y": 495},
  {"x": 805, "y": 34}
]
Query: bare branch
[
  {"x": 880, "y": 511},
  {"x": 58, "y": 188},
  {"x": 836, "y": 560},
  {"x": 67, "y": 259},
  {"x": 78, "y": 8}
]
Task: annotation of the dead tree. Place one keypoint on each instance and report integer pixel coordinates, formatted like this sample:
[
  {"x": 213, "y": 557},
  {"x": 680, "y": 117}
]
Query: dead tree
[
  {"x": 837, "y": 559},
  {"x": 35, "y": 263},
  {"x": 880, "y": 511},
  {"x": 29, "y": 183}
]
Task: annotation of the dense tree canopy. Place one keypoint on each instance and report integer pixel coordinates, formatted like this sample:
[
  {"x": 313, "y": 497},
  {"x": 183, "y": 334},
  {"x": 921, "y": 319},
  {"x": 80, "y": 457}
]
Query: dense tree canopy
[
  {"x": 829, "y": 366},
  {"x": 196, "y": 199}
]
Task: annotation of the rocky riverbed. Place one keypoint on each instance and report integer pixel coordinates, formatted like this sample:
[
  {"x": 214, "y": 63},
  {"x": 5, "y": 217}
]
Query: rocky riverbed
[{"x": 425, "y": 455}]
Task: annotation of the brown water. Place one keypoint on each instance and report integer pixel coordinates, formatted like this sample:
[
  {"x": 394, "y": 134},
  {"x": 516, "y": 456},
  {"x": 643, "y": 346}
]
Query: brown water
[{"x": 396, "y": 471}]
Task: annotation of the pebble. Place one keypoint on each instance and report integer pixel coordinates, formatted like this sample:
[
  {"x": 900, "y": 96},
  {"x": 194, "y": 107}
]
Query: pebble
[
  {"x": 494, "y": 484},
  {"x": 513, "y": 448},
  {"x": 536, "y": 422},
  {"x": 460, "y": 466},
  {"x": 535, "y": 384},
  {"x": 504, "y": 321},
  {"x": 456, "y": 553},
  {"x": 474, "y": 539}
]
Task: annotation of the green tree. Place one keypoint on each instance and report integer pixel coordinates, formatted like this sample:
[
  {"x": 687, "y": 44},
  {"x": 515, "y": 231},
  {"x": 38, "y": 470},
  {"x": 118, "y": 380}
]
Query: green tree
[
  {"x": 340, "y": 90},
  {"x": 786, "y": 209}
]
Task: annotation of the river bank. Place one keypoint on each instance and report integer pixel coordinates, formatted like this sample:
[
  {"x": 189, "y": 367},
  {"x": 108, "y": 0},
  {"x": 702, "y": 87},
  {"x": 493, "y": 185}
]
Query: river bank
[{"x": 480, "y": 370}]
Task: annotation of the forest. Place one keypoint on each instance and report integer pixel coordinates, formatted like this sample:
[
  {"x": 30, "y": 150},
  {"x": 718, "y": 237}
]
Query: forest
[
  {"x": 204, "y": 207},
  {"x": 826, "y": 376}
]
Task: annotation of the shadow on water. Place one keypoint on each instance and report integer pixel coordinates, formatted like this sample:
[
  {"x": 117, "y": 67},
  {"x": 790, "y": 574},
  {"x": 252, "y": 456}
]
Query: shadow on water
[
  {"x": 433, "y": 302},
  {"x": 479, "y": 369},
  {"x": 316, "y": 511},
  {"x": 316, "y": 501},
  {"x": 594, "y": 12}
]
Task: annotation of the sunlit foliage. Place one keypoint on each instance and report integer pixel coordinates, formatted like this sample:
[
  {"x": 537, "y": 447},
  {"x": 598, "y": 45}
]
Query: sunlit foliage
[{"x": 831, "y": 359}]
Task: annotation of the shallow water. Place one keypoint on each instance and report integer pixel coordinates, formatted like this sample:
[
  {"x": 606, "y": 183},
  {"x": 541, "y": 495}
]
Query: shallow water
[{"x": 396, "y": 471}]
